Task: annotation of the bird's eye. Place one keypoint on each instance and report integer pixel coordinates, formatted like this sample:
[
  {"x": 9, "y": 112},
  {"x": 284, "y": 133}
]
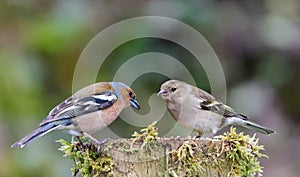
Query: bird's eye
[
  {"x": 130, "y": 93},
  {"x": 173, "y": 89}
]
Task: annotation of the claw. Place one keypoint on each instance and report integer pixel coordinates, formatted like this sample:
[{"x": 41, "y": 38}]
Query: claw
[{"x": 99, "y": 143}]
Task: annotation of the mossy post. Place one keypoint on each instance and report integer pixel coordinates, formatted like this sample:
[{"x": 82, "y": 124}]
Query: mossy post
[{"x": 147, "y": 155}]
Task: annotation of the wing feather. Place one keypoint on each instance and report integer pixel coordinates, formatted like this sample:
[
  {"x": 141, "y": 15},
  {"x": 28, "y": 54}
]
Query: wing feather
[
  {"x": 221, "y": 109},
  {"x": 75, "y": 107}
]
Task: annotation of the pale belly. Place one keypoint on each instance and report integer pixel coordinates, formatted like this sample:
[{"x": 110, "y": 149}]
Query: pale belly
[
  {"x": 94, "y": 122},
  {"x": 202, "y": 121}
]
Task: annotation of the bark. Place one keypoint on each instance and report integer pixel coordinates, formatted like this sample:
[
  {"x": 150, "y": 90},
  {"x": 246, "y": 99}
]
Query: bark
[
  {"x": 147, "y": 155},
  {"x": 165, "y": 158}
]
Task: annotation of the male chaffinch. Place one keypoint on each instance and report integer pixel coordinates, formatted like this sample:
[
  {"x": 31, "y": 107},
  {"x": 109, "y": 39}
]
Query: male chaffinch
[
  {"x": 200, "y": 111},
  {"x": 89, "y": 110}
]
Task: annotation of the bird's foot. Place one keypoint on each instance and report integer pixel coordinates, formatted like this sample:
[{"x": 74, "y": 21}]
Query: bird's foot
[{"x": 99, "y": 143}]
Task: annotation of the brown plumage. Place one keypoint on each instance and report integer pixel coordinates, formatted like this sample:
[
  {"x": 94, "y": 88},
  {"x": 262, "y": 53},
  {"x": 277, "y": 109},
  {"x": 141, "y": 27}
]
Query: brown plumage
[
  {"x": 87, "y": 111},
  {"x": 200, "y": 111}
]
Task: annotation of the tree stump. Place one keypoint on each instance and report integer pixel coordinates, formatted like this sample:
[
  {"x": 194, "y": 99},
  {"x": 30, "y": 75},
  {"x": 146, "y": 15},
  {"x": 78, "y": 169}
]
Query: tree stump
[{"x": 147, "y": 155}]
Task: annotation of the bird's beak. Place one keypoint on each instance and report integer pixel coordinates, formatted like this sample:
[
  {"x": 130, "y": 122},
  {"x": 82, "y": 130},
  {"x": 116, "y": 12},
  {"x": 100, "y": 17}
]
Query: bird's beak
[
  {"x": 134, "y": 104},
  {"x": 162, "y": 92}
]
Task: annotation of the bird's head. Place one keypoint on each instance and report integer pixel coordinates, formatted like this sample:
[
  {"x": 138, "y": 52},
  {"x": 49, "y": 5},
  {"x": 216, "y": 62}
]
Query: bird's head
[
  {"x": 172, "y": 89},
  {"x": 128, "y": 95}
]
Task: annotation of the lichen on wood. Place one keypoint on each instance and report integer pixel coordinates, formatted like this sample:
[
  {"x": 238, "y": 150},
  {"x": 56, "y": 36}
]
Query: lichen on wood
[{"x": 146, "y": 154}]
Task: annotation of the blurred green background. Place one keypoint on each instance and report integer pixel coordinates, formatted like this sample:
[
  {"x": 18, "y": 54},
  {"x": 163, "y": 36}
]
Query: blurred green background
[{"x": 257, "y": 42}]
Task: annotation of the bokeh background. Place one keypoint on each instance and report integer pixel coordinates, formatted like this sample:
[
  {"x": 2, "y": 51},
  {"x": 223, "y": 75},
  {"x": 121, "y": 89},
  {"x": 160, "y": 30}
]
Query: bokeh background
[{"x": 257, "y": 42}]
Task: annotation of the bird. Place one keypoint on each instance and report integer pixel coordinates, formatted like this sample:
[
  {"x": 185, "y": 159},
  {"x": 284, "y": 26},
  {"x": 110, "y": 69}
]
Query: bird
[
  {"x": 87, "y": 111},
  {"x": 200, "y": 111}
]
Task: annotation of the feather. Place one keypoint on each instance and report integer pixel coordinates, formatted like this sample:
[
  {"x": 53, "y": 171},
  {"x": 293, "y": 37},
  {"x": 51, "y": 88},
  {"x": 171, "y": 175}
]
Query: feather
[
  {"x": 220, "y": 108},
  {"x": 76, "y": 107}
]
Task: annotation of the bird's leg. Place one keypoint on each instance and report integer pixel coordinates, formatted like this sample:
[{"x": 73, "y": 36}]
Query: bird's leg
[
  {"x": 80, "y": 142},
  {"x": 99, "y": 143},
  {"x": 95, "y": 140}
]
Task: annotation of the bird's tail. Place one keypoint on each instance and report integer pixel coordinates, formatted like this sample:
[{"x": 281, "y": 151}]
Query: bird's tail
[
  {"x": 254, "y": 126},
  {"x": 35, "y": 134}
]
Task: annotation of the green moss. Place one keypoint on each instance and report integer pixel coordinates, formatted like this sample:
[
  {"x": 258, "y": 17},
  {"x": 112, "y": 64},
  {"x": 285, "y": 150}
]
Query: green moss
[
  {"x": 147, "y": 136},
  {"x": 230, "y": 154},
  {"x": 243, "y": 152},
  {"x": 237, "y": 152},
  {"x": 87, "y": 161},
  {"x": 186, "y": 161}
]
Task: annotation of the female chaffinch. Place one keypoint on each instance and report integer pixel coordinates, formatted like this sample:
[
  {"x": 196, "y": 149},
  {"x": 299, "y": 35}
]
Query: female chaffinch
[
  {"x": 89, "y": 110},
  {"x": 200, "y": 111}
]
